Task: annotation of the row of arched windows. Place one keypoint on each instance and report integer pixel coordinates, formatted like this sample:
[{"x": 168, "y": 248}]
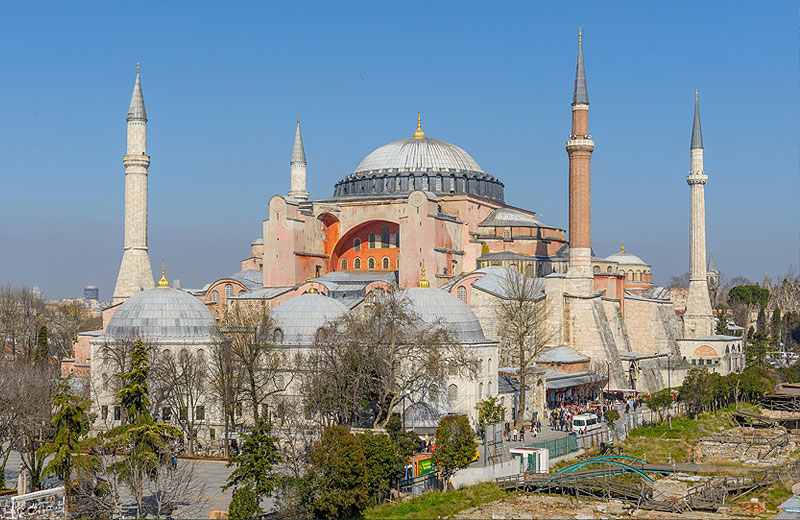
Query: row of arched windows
[
  {"x": 228, "y": 293},
  {"x": 372, "y": 240},
  {"x": 371, "y": 263}
]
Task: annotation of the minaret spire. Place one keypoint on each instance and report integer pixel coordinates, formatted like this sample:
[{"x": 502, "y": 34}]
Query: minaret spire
[
  {"x": 697, "y": 132},
  {"x": 135, "y": 272},
  {"x": 298, "y": 167},
  {"x": 580, "y": 147}
]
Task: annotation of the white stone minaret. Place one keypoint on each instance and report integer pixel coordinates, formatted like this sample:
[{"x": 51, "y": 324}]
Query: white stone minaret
[
  {"x": 698, "y": 321},
  {"x": 298, "y": 168},
  {"x": 135, "y": 272}
]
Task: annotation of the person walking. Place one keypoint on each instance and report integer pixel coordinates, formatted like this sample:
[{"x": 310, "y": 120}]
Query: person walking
[
  {"x": 174, "y": 462},
  {"x": 515, "y": 435},
  {"x": 522, "y": 434}
]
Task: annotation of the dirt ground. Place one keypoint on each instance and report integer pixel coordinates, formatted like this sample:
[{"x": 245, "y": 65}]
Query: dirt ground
[{"x": 554, "y": 507}]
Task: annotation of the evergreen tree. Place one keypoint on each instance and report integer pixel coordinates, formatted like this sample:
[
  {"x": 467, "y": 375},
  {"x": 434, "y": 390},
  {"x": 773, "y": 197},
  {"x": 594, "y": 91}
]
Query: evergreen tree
[
  {"x": 383, "y": 463},
  {"x": 407, "y": 442},
  {"x": 143, "y": 438},
  {"x": 722, "y": 325},
  {"x": 42, "y": 345},
  {"x": 244, "y": 505},
  {"x": 72, "y": 421},
  {"x": 775, "y": 326},
  {"x": 255, "y": 462},
  {"x": 761, "y": 322},
  {"x": 455, "y": 445}
]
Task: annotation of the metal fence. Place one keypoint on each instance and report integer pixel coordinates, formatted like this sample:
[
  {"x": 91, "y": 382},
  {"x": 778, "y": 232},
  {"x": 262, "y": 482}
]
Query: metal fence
[
  {"x": 624, "y": 425},
  {"x": 558, "y": 447}
]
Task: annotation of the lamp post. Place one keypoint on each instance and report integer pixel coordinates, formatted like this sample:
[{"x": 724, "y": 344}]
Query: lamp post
[{"x": 608, "y": 378}]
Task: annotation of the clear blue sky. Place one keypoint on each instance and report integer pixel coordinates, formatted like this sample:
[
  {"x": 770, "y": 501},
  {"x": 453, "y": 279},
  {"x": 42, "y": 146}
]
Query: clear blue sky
[{"x": 224, "y": 82}]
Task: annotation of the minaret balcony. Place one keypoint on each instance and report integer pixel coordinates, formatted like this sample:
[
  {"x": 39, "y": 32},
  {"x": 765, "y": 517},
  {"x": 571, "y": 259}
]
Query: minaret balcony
[{"x": 580, "y": 143}]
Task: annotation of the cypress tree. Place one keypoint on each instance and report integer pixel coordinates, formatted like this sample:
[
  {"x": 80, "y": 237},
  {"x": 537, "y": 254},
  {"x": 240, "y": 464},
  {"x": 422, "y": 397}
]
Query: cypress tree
[
  {"x": 776, "y": 325},
  {"x": 42, "y": 345}
]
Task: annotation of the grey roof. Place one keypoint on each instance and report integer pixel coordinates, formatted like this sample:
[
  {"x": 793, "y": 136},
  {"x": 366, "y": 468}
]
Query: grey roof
[
  {"x": 252, "y": 279},
  {"x": 561, "y": 354},
  {"x": 628, "y": 355},
  {"x": 298, "y": 152},
  {"x": 414, "y": 154},
  {"x": 507, "y": 217},
  {"x": 299, "y": 318},
  {"x": 162, "y": 313},
  {"x": 136, "y": 110},
  {"x": 563, "y": 252},
  {"x": 557, "y": 379},
  {"x": 422, "y": 415},
  {"x": 494, "y": 281},
  {"x": 257, "y": 241},
  {"x": 92, "y": 333},
  {"x": 792, "y": 504},
  {"x": 265, "y": 293},
  {"x": 697, "y": 132},
  {"x": 499, "y": 256},
  {"x": 658, "y": 293},
  {"x": 712, "y": 267},
  {"x": 435, "y": 305},
  {"x": 715, "y": 337},
  {"x": 625, "y": 259},
  {"x": 579, "y": 95}
]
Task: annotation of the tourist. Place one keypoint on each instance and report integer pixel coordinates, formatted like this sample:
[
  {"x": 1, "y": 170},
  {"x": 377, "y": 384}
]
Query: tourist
[{"x": 515, "y": 435}]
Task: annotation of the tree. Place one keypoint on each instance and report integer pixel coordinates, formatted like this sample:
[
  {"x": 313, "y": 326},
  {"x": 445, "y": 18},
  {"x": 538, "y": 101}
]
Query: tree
[
  {"x": 761, "y": 323},
  {"x": 141, "y": 437},
  {"x": 680, "y": 281},
  {"x": 65, "y": 321},
  {"x": 180, "y": 485},
  {"x": 225, "y": 385},
  {"x": 612, "y": 416},
  {"x": 490, "y": 411},
  {"x": 337, "y": 481},
  {"x": 786, "y": 292},
  {"x": 696, "y": 390},
  {"x": 755, "y": 351},
  {"x": 21, "y": 313},
  {"x": 244, "y": 505},
  {"x": 382, "y": 463},
  {"x": 660, "y": 402},
  {"x": 776, "y": 326},
  {"x": 523, "y": 327},
  {"x": 72, "y": 422},
  {"x": 407, "y": 442},
  {"x": 255, "y": 462},
  {"x": 42, "y": 351},
  {"x": 750, "y": 294},
  {"x": 722, "y": 324},
  {"x": 250, "y": 333},
  {"x": 455, "y": 445}
]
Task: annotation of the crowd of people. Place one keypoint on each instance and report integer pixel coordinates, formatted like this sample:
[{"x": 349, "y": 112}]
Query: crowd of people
[{"x": 561, "y": 415}]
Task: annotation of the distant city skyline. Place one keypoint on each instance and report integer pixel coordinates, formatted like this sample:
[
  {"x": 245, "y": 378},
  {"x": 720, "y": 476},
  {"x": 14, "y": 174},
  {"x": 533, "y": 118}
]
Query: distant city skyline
[{"x": 223, "y": 90}]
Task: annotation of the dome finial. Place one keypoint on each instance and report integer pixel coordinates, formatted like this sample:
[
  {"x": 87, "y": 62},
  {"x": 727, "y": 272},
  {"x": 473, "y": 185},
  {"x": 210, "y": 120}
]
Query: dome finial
[
  {"x": 622, "y": 248},
  {"x": 163, "y": 282},
  {"x": 312, "y": 290},
  {"x": 422, "y": 281},
  {"x": 137, "y": 67},
  {"x": 580, "y": 35},
  {"x": 419, "y": 134}
]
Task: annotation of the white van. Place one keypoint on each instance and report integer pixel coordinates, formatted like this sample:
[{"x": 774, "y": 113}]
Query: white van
[{"x": 585, "y": 422}]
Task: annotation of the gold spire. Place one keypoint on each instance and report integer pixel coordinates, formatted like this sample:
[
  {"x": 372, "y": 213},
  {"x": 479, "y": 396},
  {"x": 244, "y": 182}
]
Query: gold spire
[
  {"x": 696, "y": 95},
  {"x": 580, "y": 35},
  {"x": 137, "y": 67},
  {"x": 163, "y": 282},
  {"x": 622, "y": 248},
  {"x": 298, "y": 120},
  {"x": 422, "y": 281},
  {"x": 419, "y": 134},
  {"x": 312, "y": 290}
]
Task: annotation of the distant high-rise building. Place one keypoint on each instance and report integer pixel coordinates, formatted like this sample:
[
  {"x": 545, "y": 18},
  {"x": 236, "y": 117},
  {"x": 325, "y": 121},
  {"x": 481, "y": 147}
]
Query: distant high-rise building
[{"x": 91, "y": 293}]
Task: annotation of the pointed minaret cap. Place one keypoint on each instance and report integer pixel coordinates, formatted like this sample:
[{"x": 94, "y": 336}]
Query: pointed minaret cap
[
  {"x": 298, "y": 152},
  {"x": 580, "y": 96},
  {"x": 136, "y": 110},
  {"x": 712, "y": 267},
  {"x": 163, "y": 282},
  {"x": 697, "y": 133}
]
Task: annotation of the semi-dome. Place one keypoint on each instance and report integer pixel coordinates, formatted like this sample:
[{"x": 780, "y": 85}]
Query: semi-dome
[
  {"x": 299, "y": 318},
  {"x": 160, "y": 314},
  {"x": 419, "y": 163},
  {"x": 434, "y": 305}
]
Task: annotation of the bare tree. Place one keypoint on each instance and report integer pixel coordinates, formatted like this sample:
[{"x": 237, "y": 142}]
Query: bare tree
[
  {"x": 786, "y": 292},
  {"x": 64, "y": 321},
  {"x": 173, "y": 487},
  {"x": 522, "y": 324},
  {"x": 181, "y": 383},
  {"x": 250, "y": 333},
  {"x": 296, "y": 434},
  {"x": 680, "y": 281},
  {"x": 21, "y": 314},
  {"x": 225, "y": 385}
]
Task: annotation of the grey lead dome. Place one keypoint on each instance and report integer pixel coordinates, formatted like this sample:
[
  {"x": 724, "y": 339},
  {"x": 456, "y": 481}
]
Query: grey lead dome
[
  {"x": 162, "y": 313},
  {"x": 436, "y": 305}
]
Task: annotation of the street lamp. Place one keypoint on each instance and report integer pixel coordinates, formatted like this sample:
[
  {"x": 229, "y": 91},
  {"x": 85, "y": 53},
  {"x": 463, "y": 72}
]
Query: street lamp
[{"x": 608, "y": 381}]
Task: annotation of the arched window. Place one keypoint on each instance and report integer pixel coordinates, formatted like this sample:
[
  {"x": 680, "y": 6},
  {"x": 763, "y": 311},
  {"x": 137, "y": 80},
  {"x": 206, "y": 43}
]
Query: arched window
[
  {"x": 357, "y": 263},
  {"x": 371, "y": 263},
  {"x": 489, "y": 367},
  {"x": 356, "y": 244},
  {"x": 529, "y": 271},
  {"x": 596, "y": 269},
  {"x": 372, "y": 240},
  {"x": 452, "y": 395},
  {"x": 344, "y": 264},
  {"x": 385, "y": 237},
  {"x": 480, "y": 391},
  {"x": 385, "y": 262},
  {"x": 608, "y": 270},
  {"x": 506, "y": 234},
  {"x": 277, "y": 336},
  {"x": 215, "y": 296},
  {"x": 105, "y": 381},
  {"x": 228, "y": 290},
  {"x": 489, "y": 390},
  {"x": 461, "y": 292}
]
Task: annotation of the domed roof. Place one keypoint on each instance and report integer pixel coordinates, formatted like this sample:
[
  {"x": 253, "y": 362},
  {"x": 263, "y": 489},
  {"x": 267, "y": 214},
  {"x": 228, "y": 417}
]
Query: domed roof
[
  {"x": 624, "y": 258},
  {"x": 419, "y": 154},
  {"x": 437, "y": 305},
  {"x": 162, "y": 313},
  {"x": 299, "y": 318}
]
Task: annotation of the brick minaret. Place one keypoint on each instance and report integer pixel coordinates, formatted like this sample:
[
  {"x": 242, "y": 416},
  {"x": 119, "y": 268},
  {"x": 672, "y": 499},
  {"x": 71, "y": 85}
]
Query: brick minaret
[
  {"x": 298, "y": 190},
  {"x": 135, "y": 272},
  {"x": 580, "y": 147},
  {"x": 698, "y": 320}
]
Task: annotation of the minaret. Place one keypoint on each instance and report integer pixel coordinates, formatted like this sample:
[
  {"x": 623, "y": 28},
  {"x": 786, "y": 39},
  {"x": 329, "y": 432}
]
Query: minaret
[
  {"x": 698, "y": 319},
  {"x": 298, "y": 168},
  {"x": 135, "y": 273},
  {"x": 580, "y": 147}
]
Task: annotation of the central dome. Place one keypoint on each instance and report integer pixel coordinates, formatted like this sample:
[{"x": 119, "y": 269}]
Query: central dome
[
  {"x": 418, "y": 163},
  {"x": 419, "y": 155}
]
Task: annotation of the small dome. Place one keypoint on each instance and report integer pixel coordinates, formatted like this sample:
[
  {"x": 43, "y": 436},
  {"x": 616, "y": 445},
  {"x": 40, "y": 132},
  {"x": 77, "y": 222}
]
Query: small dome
[
  {"x": 413, "y": 154},
  {"x": 626, "y": 259},
  {"x": 299, "y": 318},
  {"x": 436, "y": 305},
  {"x": 162, "y": 313}
]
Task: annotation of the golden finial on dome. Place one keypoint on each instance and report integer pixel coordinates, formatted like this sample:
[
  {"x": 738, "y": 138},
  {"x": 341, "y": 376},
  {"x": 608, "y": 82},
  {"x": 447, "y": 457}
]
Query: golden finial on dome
[
  {"x": 622, "y": 248},
  {"x": 422, "y": 281},
  {"x": 419, "y": 134},
  {"x": 580, "y": 35},
  {"x": 312, "y": 290},
  {"x": 137, "y": 67},
  {"x": 696, "y": 95},
  {"x": 298, "y": 120},
  {"x": 163, "y": 282}
]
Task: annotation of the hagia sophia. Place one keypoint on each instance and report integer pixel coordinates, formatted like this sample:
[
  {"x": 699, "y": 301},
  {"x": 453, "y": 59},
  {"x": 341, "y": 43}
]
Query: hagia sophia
[{"x": 419, "y": 215}]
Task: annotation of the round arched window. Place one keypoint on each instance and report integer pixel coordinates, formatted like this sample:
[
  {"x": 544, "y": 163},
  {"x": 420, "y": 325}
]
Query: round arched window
[
  {"x": 357, "y": 263},
  {"x": 228, "y": 290},
  {"x": 596, "y": 269},
  {"x": 372, "y": 240},
  {"x": 356, "y": 244},
  {"x": 370, "y": 263},
  {"x": 344, "y": 264},
  {"x": 215, "y": 296},
  {"x": 385, "y": 262},
  {"x": 277, "y": 336},
  {"x": 452, "y": 394},
  {"x": 461, "y": 292}
]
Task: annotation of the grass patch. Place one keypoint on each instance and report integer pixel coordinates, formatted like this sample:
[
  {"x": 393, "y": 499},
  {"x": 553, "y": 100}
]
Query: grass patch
[
  {"x": 772, "y": 496},
  {"x": 439, "y": 504}
]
